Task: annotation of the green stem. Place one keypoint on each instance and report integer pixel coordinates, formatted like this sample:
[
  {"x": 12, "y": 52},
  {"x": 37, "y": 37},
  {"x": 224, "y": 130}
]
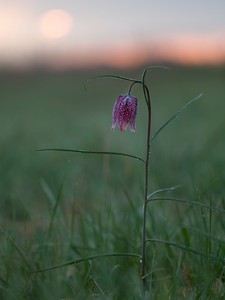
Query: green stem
[
  {"x": 143, "y": 252},
  {"x": 146, "y": 162},
  {"x": 132, "y": 84}
]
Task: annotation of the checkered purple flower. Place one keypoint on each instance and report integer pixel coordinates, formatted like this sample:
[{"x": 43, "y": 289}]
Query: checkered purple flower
[{"x": 124, "y": 112}]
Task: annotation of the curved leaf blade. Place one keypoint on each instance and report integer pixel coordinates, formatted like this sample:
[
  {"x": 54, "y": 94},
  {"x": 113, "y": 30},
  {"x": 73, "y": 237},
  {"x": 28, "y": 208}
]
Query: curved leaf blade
[
  {"x": 175, "y": 116},
  {"x": 91, "y": 152}
]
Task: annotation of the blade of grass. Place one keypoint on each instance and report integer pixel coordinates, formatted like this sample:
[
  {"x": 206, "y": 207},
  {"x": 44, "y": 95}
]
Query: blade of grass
[
  {"x": 187, "y": 249},
  {"x": 91, "y": 278},
  {"x": 92, "y": 152},
  {"x": 20, "y": 252},
  {"x": 50, "y": 195},
  {"x": 188, "y": 202},
  {"x": 170, "y": 189},
  {"x": 57, "y": 201},
  {"x": 175, "y": 116},
  {"x": 206, "y": 235},
  {"x": 81, "y": 260},
  {"x": 50, "y": 226}
]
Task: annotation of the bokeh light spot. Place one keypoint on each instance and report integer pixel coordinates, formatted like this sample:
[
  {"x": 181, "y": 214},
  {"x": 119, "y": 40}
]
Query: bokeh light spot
[{"x": 56, "y": 24}]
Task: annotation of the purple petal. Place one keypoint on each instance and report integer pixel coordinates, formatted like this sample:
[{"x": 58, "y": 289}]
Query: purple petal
[
  {"x": 124, "y": 112},
  {"x": 116, "y": 110},
  {"x": 133, "y": 115}
]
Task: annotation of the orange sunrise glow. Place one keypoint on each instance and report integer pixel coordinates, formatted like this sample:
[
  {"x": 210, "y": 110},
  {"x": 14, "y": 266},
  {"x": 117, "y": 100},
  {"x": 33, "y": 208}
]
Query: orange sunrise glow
[
  {"x": 186, "y": 49},
  {"x": 28, "y": 37},
  {"x": 195, "y": 49}
]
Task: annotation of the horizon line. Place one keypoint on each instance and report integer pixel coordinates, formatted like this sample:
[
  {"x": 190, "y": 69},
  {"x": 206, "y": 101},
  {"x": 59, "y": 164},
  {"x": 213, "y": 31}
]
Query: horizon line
[{"x": 182, "y": 50}]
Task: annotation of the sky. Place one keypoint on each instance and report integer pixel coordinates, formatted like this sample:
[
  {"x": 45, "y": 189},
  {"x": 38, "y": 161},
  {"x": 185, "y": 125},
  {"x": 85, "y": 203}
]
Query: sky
[{"x": 118, "y": 33}]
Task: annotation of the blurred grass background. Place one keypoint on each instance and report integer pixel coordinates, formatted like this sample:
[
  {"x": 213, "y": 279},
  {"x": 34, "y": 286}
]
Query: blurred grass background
[{"x": 56, "y": 205}]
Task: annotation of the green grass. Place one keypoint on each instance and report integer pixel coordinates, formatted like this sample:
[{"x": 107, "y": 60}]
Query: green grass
[{"x": 59, "y": 207}]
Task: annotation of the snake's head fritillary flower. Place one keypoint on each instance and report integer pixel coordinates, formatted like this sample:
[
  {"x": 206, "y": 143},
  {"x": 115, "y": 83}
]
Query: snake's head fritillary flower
[{"x": 124, "y": 112}]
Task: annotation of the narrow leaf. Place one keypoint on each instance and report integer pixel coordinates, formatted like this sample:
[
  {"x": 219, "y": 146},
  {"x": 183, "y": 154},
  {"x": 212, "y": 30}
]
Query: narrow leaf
[
  {"x": 81, "y": 260},
  {"x": 187, "y": 249},
  {"x": 145, "y": 89},
  {"x": 170, "y": 189},
  {"x": 19, "y": 250},
  {"x": 176, "y": 115},
  {"x": 151, "y": 68},
  {"x": 188, "y": 202},
  {"x": 92, "y": 152},
  {"x": 113, "y": 77}
]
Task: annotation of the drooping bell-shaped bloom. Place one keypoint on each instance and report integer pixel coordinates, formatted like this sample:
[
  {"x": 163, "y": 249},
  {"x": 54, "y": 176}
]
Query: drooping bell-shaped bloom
[{"x": 124, "y": 112}]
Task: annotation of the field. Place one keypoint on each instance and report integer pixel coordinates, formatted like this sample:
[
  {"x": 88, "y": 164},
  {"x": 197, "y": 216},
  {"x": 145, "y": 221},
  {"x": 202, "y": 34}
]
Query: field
[{"x": 58, "y": 207}]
